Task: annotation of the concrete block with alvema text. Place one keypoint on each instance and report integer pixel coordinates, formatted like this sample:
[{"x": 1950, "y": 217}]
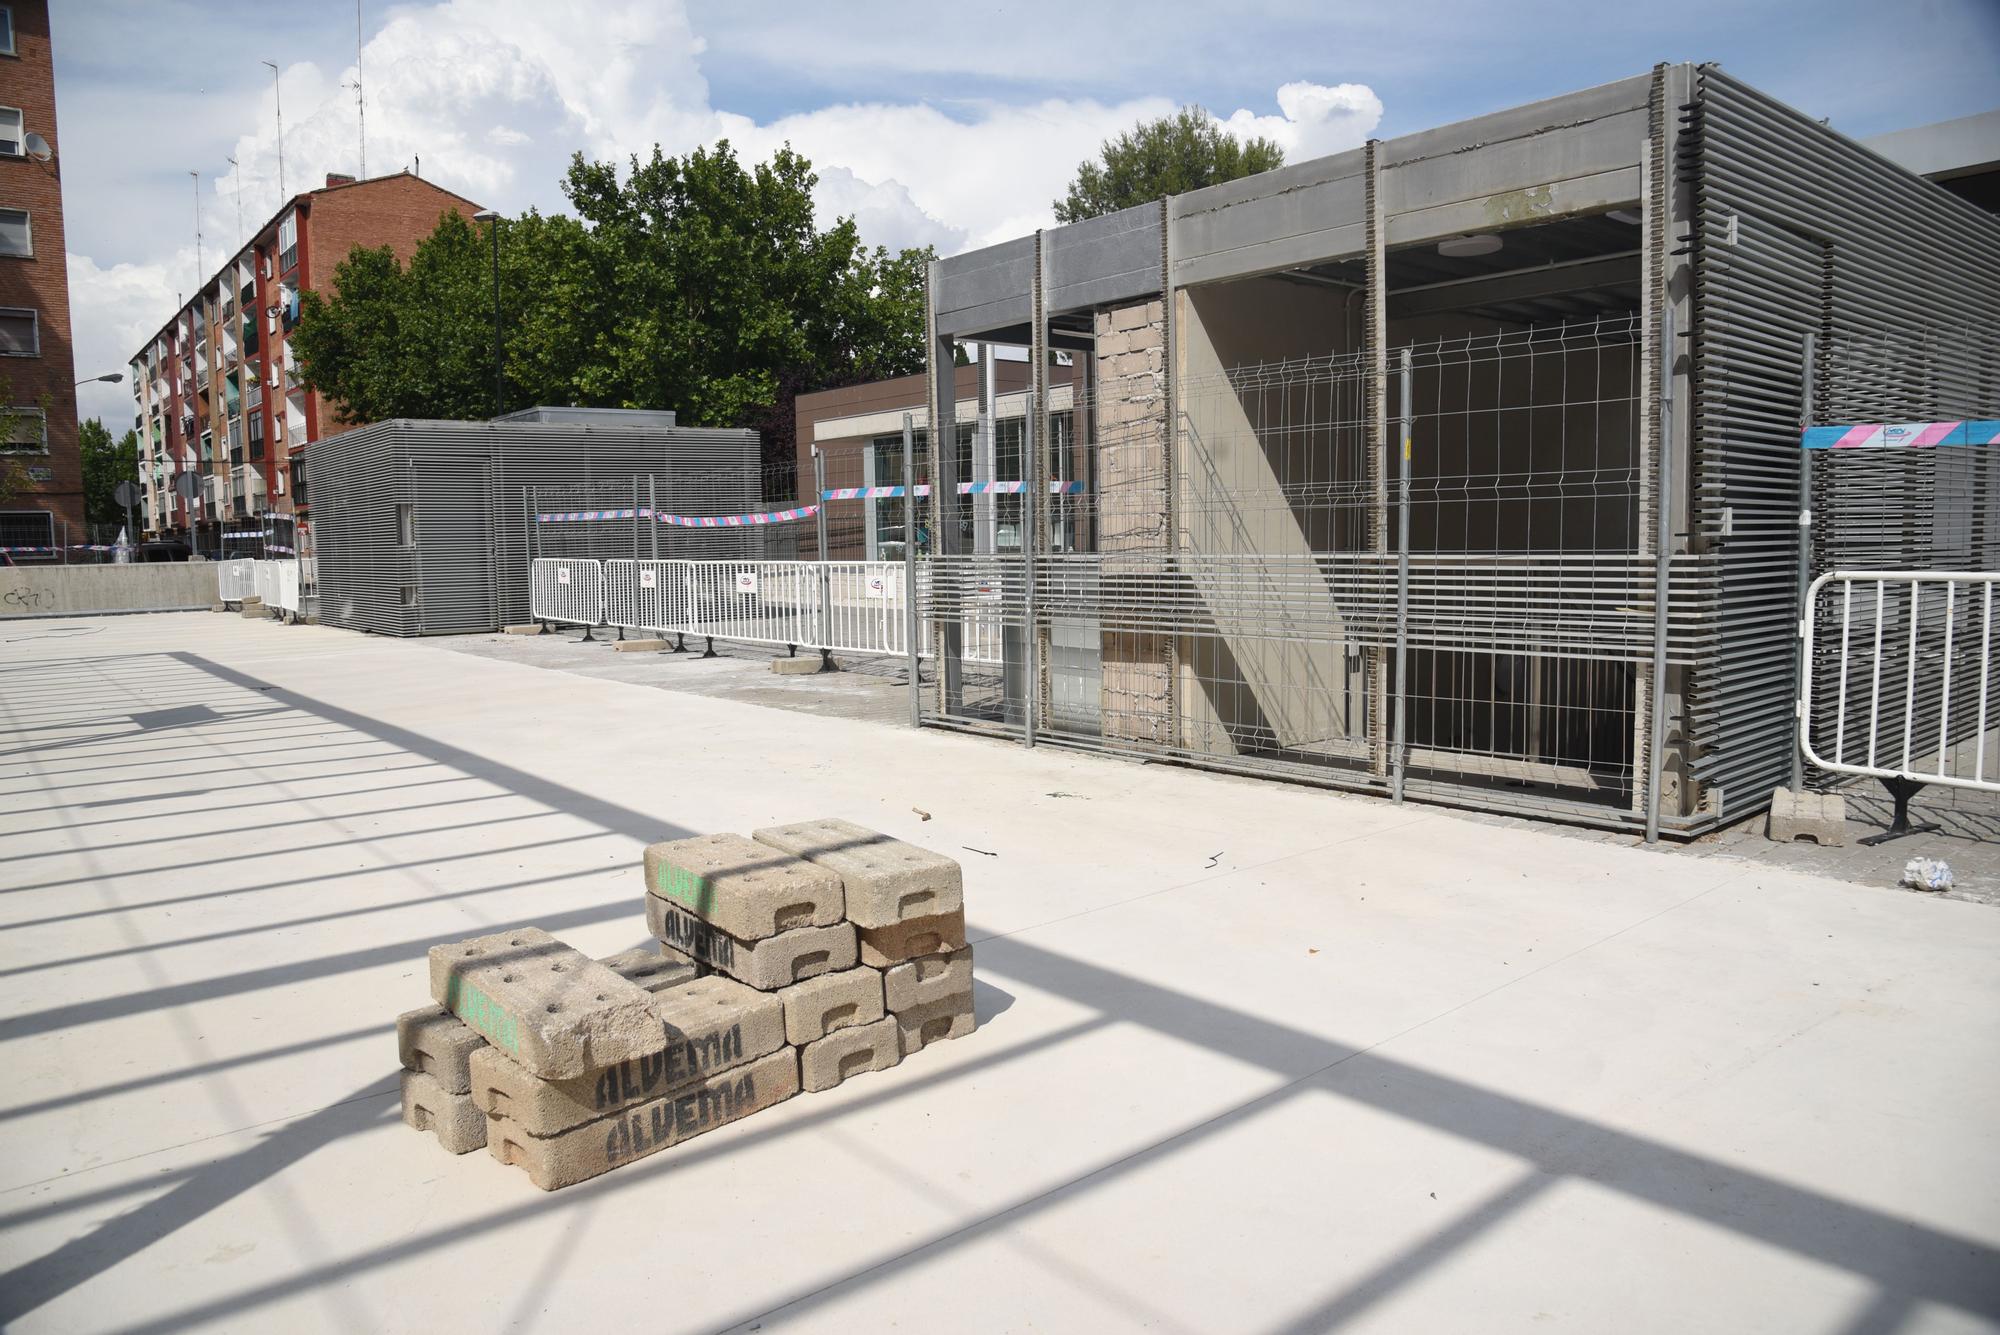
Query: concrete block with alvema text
[
  {"x": 583, "y": 1152},
  {"x": 767, "y": 964},
  {"x": 711, "y": 1024}
]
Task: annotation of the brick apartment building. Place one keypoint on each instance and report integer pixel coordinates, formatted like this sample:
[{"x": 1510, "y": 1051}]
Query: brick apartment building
[
  {"x": 218, "y": 389},
  {"x": 41, "y": 480}
]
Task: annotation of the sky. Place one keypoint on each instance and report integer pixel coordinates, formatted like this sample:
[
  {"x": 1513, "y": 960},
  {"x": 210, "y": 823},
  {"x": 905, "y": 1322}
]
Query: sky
[{"x": 953, "y": 125}]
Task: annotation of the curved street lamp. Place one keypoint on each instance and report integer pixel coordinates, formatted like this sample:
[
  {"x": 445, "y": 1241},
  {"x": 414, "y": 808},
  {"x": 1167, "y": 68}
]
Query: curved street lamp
[{"x": 108, "y": 378}]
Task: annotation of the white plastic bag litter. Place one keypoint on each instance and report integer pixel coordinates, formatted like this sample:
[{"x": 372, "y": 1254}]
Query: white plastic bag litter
[{"x": 1927, "y": 874}]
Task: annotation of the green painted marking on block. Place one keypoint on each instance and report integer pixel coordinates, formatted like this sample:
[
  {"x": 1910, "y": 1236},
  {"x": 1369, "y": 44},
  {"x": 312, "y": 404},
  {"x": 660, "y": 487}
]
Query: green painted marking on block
[
  {"x": 483, "y": 1013},
  {"x": 678, "y": 883}
]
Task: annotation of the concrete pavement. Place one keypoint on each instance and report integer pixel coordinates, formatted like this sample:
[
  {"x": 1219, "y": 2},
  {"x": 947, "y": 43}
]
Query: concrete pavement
[{"x": 1250, "y": 1057}]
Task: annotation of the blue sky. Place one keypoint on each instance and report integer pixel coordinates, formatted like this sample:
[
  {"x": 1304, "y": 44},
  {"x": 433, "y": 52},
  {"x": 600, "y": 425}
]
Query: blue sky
[{"x": 952, "y": 125}]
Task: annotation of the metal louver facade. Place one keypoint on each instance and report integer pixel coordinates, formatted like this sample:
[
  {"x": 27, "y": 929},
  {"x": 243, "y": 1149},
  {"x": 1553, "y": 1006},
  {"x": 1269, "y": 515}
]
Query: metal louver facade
[
  {"x": 1797, "y": 230},
  {"x": 420, "y": 527}
]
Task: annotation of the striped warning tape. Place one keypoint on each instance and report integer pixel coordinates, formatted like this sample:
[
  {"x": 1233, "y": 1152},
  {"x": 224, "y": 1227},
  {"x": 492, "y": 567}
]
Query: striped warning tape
[
  {"x": 964, "y": 489},
  {"x": 685, "y": 521},
  {"x": 1892, "y": 435}
]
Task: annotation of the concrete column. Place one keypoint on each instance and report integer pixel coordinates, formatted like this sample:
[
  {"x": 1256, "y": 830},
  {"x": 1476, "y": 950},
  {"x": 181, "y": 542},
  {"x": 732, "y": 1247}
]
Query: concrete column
[
  {"x": 948, "y": 632},
  {"x": 1132, "y": 490}
]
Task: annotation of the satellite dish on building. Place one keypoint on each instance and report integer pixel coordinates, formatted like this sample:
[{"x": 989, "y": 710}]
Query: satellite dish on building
[
  {"x": 38, "y": 147},
  {"x": 187, "y": 485},
  {"x": 128, "y": 493}
]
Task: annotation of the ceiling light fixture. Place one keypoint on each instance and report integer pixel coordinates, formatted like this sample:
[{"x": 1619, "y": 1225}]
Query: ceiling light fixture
[{"x": 1464, "y": 247}]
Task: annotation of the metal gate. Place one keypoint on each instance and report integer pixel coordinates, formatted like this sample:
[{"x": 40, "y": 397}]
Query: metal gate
[{"x": 1430, "y": 574}]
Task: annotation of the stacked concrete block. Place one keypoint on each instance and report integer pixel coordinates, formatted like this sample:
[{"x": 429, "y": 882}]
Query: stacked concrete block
[
  {"x": 435, "y": 1048},
  {"x": 908, "y": 906},
  {"x": 583, "y": 1152},
  {"x": 550, "y": 1007},
  {"x": 759, "y": 915},
  {"x": 797, "y": 960},
  {"x": 719, "y": 1054},
  {"x": 825, "y": 1062},
  {"x": 651, "y": 969}
]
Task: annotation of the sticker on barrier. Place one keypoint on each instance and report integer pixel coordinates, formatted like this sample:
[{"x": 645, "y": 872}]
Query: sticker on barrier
[{"x": 746, "y": 581}]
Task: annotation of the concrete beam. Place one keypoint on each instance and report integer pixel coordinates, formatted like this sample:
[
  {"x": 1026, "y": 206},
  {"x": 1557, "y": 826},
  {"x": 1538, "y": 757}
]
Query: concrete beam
[
  {"x": 984, "y": 289},
  {"x": 1109, "y": 261},
  {"x": 1520, "y": 285}
]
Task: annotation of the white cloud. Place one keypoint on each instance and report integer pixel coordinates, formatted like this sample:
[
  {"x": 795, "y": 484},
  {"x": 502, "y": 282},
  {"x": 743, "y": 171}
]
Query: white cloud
[
  {"x": 114, "y": 310},
  {"x": 1314, "y": 120},
  {"x": 492, "y": 97}
]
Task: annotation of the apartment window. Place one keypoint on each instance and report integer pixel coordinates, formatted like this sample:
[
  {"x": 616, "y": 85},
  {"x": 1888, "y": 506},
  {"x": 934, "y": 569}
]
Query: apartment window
[
  {"x": 12, "y": 131},
  {"x": 20, "y": 333},
  {"x": 16, "y": 237},
  {"x": 288, "y": 243},
  {"x": 24, "y": 430},
  {"x": 406, "y": 525},
  {"x": 7, "y": 31}
]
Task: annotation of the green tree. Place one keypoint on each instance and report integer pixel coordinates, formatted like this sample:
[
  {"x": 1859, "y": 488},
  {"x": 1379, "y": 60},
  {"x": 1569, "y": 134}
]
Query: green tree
[
  {"x": 693, "y": 283},
  {"x": 1169, "y": 156},
  {"x": 106, "y": 463}
]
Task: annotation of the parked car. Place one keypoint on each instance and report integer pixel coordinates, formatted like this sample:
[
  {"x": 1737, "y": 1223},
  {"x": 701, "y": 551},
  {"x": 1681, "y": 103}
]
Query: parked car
[{"x": 163, "y": 549}]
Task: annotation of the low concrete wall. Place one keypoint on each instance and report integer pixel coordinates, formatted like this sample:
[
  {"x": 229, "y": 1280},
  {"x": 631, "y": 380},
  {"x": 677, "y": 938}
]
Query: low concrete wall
[{"x": 79, "y": 590}]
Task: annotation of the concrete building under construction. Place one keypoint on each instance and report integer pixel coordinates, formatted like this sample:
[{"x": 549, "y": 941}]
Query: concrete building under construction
[{"x": 1593, "y": 326}]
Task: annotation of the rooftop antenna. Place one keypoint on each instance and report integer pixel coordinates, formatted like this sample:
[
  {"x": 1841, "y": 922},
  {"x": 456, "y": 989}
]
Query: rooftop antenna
[
  {"x": 360, "y": 104},
  {"x": 239, "y": 203},
  {"x": 278, "y": 94},
  {"x": 200, "y": 269}
]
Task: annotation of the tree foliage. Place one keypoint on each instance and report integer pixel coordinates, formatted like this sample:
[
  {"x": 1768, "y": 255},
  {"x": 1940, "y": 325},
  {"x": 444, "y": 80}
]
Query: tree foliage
[
  {"x": 106, "y": 463},
  {"x": 691, "y": 283},
  {"x": 1169, "y": 156}
]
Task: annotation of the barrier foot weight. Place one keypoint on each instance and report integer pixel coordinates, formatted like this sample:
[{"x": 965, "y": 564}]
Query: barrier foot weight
[
  {"x": 588, "y": 638},
  {"x": 1901, "y": 790},
  {"x": 680, "y": 644},
  {"x": 710, "y": 651},
  {"x": 826, "y": 661}
]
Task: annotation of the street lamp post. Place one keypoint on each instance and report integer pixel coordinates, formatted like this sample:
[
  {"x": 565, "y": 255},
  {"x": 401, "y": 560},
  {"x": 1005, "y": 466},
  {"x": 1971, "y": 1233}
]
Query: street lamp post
[{"x": 492, "y": 221}]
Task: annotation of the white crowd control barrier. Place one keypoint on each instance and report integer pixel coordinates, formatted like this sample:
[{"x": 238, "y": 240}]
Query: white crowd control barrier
[
  {"x": 854, "y": 607},
  {"x": 277, "y": 583},
  {"x": 567, "y": 590},
  {"x": 235, "y": 580},
  {"x": 1909, "y": 654}
]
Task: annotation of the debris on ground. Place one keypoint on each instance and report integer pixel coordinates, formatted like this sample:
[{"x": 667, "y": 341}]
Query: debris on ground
[
  {"x": 921, "y": 813},
  {"x": 1927, "y": 874}
]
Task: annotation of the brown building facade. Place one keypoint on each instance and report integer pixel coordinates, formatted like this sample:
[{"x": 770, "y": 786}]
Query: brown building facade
[
  {"x": 41, "y": 480},
  {"x": 859, "y": 430},
  {"x": 218, "y": 390}
]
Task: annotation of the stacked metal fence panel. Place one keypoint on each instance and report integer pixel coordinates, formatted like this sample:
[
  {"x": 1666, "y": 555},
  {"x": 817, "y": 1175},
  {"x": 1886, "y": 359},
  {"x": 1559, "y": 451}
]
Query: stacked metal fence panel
[
  {"x": 1799, "y": 230},
  {"x": 457, "y": 559}
]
